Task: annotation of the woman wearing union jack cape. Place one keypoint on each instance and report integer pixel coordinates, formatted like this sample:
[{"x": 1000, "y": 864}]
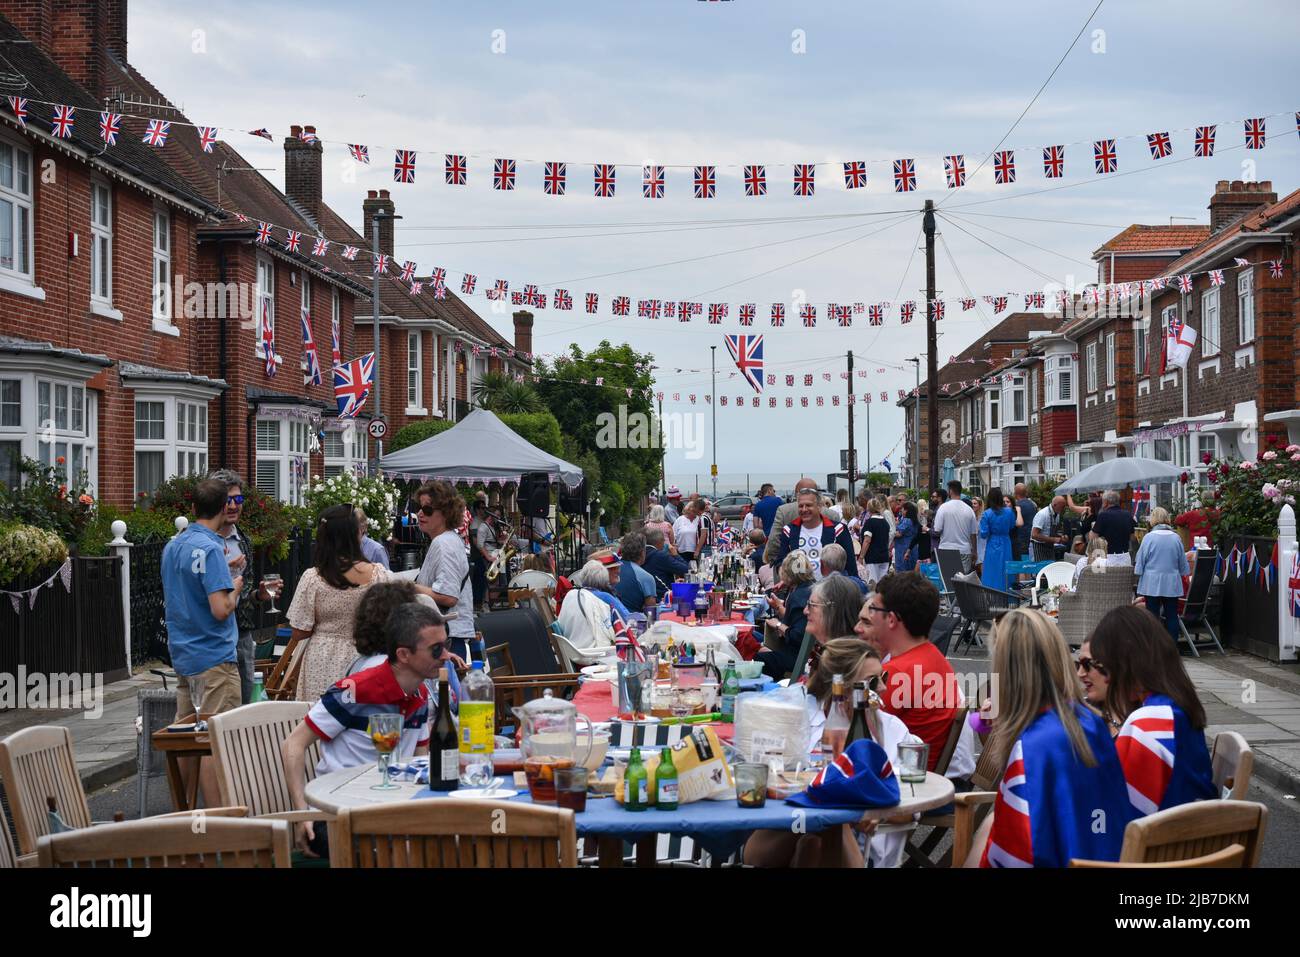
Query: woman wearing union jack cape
[
  {"x": 1162, "y": 741},
  {"x": 1062, "y": 794}
]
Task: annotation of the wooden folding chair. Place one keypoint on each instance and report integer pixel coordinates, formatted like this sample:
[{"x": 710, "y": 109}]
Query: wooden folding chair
[
  {"x": 1232, "y": 856},
  {"x": 1190, "y": 831},
  {"x": 451, "y": 833},
  {"x": 8, "y": 857},
  {"x": 37, "y": 764},
  {"x": 516, "y": 597},
  {"x": 170, "y": 842},
  {"x": 1232, "y": 763},
  {"x": 500, "y": 660},
  {"x": 282, "y": 683},
  {"x": 918, "y": 851}
]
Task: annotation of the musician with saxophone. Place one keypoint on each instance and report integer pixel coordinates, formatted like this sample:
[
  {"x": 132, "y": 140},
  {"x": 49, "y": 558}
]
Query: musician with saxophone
[{"x": 486, "y": 544}]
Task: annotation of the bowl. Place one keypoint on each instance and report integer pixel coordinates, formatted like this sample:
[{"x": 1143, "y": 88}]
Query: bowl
[
  {"x": 599, "y": 746},
  {"x": 749, "y": 669}
]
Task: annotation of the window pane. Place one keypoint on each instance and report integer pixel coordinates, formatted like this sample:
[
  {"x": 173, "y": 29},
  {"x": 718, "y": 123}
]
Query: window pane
[
  {"x": 203, "y": 424},
  {"x": 268, "y": 477},
  {"x": 268, "y": 435},
  {"x": 11, "y": 409},
  {"x": 6, "y": 234},
  {"x": 61, "y": 407},
  {"x": 192, "y": 423},
  {"x": 10, "y": 452},
  {"x": 334, "y": 445},
  {"x": 149, "y": 469},
  {"x": 23, "y": 240},
  {"x": 76, "y": 461},
  {"x": 150, "y": 421},
  {"x": 6, "y": 165}
]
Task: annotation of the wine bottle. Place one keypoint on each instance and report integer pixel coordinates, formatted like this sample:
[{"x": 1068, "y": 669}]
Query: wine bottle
[
  {"x": 859, "y": 727},
  {"x": 444, "y": 743}
]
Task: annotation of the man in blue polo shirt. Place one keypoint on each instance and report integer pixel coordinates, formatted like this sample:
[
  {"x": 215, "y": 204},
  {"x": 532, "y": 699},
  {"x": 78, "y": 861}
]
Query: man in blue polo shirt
[
  {"x": 766, "y": 506},
  {"x": 636, "y": 586},
  {"x": 202, "y": 634}
]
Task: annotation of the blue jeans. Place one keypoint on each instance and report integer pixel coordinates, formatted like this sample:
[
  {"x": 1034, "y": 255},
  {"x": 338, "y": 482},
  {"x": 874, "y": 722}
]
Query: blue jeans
[{"x": 1165, "y": 607}]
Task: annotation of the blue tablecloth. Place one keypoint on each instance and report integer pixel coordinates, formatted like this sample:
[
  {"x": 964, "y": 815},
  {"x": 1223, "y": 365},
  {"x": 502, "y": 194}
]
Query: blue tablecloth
[{"x": 720, "y": 827}]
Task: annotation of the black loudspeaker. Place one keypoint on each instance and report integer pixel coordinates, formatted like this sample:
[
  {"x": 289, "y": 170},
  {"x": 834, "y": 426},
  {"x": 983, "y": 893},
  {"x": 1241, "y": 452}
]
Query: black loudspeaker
[
  {"x": 574, "y": 501},
  {"x": 526, "y": 634},
  {"x": 535, "y": 495}
]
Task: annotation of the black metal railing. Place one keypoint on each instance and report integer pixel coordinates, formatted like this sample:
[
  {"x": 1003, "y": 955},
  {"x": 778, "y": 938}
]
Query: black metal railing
[{"x": 148, "y": 630}]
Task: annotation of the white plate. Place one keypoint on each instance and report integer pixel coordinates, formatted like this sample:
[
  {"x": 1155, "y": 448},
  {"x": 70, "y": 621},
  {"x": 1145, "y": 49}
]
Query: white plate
[{"x": 472, "y": 794}]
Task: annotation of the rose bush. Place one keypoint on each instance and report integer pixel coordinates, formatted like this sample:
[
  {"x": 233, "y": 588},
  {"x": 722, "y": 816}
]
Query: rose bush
[
  {"x": 377, "y": 497},
  {"x": 1245, "y": 498}
]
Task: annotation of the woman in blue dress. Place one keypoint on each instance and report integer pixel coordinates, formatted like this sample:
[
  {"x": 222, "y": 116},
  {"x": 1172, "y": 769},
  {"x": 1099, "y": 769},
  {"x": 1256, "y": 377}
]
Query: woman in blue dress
[
  {"x": 905, "y": 539},
  {"x": 995, "y": 529}
]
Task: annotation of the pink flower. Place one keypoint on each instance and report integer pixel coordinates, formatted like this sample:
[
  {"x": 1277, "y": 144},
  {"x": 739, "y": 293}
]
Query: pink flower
[
  {"x": 1293, "y": 448},
  {"x": 1248, "y": 466},
  {"x": 1205, "y": 458},
  {"x": 1270, "y": 456},
  {"x": 85, "y": 499},
  {"x": 1295, "y": 457}
]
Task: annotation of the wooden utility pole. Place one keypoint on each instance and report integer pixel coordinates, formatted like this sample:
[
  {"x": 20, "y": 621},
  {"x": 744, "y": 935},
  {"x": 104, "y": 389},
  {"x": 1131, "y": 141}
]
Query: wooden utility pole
[
  {"x": 932, "y": 350},
  {"x": 852, "y": 469}
]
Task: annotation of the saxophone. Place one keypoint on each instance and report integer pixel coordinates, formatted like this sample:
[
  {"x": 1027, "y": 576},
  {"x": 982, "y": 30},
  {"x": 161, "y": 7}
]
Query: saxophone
[{"x": 502, "y": 560}]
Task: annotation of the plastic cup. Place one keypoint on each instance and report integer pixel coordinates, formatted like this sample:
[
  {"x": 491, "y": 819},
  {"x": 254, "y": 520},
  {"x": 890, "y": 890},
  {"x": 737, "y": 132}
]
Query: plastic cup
[{"x": 751, "y": 784}]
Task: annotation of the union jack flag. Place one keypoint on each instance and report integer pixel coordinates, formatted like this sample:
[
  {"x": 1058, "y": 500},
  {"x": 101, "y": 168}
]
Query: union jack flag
[
  {"x": 467, "y": 283},
  {"x": 1205, "y": 140},
  {"x": 352, "y": 383},
  {"x": 110, "y": 124},
  {"x": 1216, "y": 277},
  {"x": 207, "y": 138},
  {"x": 1053, "y": 162},
  {"x": 1035, "y": 300},
  {"x": 1000, "y": 304},
  {"x": 1275, "y": 267},
  {"x": 654, "y": 308},
  {"x": 268, "y": 339},
  {"x": 807, "y": 379},
  {"x": 292, "y": 240},
  {"x": 1255, "y": 134},
  {"x": 843, "y": 315},
  {"x": 350, "y": 252},
  {"x": 531, "y": 296},
  {"x": 967, "y": 305},
  {"x": 904, "y": 175},
  {"x": 755, "y": 180},
  {"x": 499, "y": 289},
  {"x": 264, "y": 233},
  {"x": 404, "y": 166},
  {"x": 503, "y": 174},
  {"x": 381, "y": 264},
  {"x": 747, "y": 314},
  {"x": 240, "y": 216},
  {"x": 622, "y": 305},
  {"x": 789, "y": 402},
  {"x": 457, "y": 170},
  {"x": 1148, "y": 748},
  {"x": 789, "y": 381},
  {"x": 936, "y": 309},
  {"x": 1160, "y": 282},
  {"x": 907, "y": 311},
  {"x": 1241, "y": 261},
  {"x": 264, "y": 133},
  {"x": 308, "y": 135},
  {"x": 563, "y": 300},
  {"x": 320, "y": 246},
  {"x": 1185, "y": 282},
  {"x": 670, "y": 310},
  {"x": 717, "y": 312},
  {"x": 440, "y": 290},
  {"x": 808, "y": 314},
  {"x": 859, "y": 308},
  {"x": 1004, "y": 167},
  {"x": 884, "y": 396},
  {"x": 438, "y": 274},
  {"x": 747, "y": 353},
  {"x": 1104, "y": 156},
  {"x": 855, "y": 175},
  {"x": 417, "y": 288},
  {"x": 312, "y": 376},
  {"x": 554, "y": 177},
  {"x": 18, "y": 104},
  {"x": 804, "y": 178},
  {"x": 603, "y": 177},
  {"x": 778, "y": 314},
  {"x": 1160, "y": 145},
  {"x": 876, "y": 314},
  {"x": 803, "y": 401},
  {"x": 652, "y": 182},
  {"x": 726, "y": 538},
  {"x": 156, "y": 133},
  {"x": 706, "y": 181},
  {"x": 954, "y": 167},
  {"x": 408, "y": 271},
  {"x": 61, "y": 125},
  {"x": 593, "y": 301},
  {"x": 360, "y": 153}
]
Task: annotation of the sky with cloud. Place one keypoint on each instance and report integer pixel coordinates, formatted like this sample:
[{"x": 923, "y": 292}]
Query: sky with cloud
[{"x": 681, "y": 82}]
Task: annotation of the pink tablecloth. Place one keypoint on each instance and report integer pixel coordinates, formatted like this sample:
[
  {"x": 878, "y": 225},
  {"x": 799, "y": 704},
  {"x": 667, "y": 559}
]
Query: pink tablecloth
[{"x": 746, "y": 643}]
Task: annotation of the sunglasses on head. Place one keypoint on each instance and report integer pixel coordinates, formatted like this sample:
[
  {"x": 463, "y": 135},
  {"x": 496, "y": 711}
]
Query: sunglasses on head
[
  {"x": 1089, "y": 664},
  {"x": 234, "y": 500}
]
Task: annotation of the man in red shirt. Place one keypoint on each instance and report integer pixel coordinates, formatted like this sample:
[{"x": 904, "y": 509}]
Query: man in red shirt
[{"x": 920, "y": 685}]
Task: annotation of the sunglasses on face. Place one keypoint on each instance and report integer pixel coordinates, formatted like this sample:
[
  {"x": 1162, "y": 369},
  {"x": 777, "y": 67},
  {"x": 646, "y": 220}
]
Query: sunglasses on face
[
  {"x": 1088, "y": 664},
  {"x": 234, "y": 500},
  {"x": 425, "y": 510}
]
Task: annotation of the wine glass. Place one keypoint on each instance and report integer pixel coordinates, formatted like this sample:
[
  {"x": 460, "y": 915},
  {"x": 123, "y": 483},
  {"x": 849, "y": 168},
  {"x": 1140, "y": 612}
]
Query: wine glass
[
  {"x": 385, "y": 731},
  {"x": 678, "y": 704},
  {"x": 273, "y": 583}
]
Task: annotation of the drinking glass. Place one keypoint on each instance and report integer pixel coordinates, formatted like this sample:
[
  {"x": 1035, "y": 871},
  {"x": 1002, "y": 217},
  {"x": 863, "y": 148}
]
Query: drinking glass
[
  {"x": 272, "y": 581},
  {"x": 678, "y": 704},
  {"x": 751, "y": 784},
  {"x": 571, "y": 788},
  {"x": 385, "y": 731},
  {"x": 913, "y": 759}
]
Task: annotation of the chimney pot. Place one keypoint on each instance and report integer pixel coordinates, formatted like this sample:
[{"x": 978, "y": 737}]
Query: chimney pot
[
  {"x": 383, "y": 194},
  {"x": 295, "y": 131},
  {"x": 372, "y": 194},
  {"x": 310, "y": 129}
]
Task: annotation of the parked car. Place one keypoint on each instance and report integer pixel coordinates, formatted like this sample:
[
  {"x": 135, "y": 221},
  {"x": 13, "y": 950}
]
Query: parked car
[{"x": 734, "y": 507}]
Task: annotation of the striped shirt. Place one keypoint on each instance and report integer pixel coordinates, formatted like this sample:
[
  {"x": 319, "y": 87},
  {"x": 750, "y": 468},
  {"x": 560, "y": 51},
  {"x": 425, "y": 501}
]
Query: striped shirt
[{"x": 342, "y": 715}]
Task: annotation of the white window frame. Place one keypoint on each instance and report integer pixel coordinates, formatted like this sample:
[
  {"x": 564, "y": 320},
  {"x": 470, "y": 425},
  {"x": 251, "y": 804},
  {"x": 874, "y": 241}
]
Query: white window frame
[
  {"x": 101, "y": 249},
  {"x": 434, "y": 405},
  {"x": 265, "y": 294},
  {"x": 76, "y": 439},
  {"x": 415, "y": 373},
  {"x": 350, "y": 453},
  {"x": 994, "y": 417},
  {"x": 162, "y": 304},
  {"x": 1090, "y": 363},
  {"x": 21, "y": 199},
  {"x": 1110, "y": 358},
  {"x": 184, "y": 440},
  {"x": 1033, "y": 389},
  {"x": 293, "y": 443},
  {"x": 1140, "y": 348},
  {"x": 336, "y": 322},
  {"x": 1211, "y": 322},
  {"x": 1060, "y": 380},
  {"x": 1013, "y": 401},
  {"x": 1245, "y": 307}
]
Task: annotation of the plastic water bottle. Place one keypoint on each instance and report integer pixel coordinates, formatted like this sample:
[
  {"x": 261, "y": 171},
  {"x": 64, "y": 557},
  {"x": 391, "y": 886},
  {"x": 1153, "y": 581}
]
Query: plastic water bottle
[
  {"x": 477, "y": 727},
  {"x": 259, "y": 688}
]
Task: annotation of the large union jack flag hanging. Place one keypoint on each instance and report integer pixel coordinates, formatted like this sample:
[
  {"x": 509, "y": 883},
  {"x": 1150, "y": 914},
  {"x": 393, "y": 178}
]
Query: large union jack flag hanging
[
  {"x": 706, "y": 182},
  {"x": 352, "y": 383},
  {"x": 404, "y": 166},
  {"x": 904, "y": 175},
  {"x": 268, "y": 339},
  {"x": 747, "y": 352},
  {"x": 312, "y": 375}
]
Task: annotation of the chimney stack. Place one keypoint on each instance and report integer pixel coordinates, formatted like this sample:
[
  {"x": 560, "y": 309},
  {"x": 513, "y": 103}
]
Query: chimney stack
[
  {"x": 378, "y": 201},
  {"x": 523, "y": 332},
  {"x": 78, "y": 35},
  {"x": 1233, "y": 200},
  {"x": 302, "y": 170}
]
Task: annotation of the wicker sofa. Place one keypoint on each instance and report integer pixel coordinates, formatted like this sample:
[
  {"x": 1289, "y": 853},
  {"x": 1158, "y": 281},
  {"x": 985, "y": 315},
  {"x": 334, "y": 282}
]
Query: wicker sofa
[{"x": 1097, "y": 593}]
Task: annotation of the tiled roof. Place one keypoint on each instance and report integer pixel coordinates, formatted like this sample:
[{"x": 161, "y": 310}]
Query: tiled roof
[
  {"x": 28, "y": 347},
  {"x": 134, "y": 370},
  {"x": 1258, "y": 221},
  {"x": 1014, "y": 328},
  {"x": 1145, "y": 239},
  {"x": 46, "y": 81}
]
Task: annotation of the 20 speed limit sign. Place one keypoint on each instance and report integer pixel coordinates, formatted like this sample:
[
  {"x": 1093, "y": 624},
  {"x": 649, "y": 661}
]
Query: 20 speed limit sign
[{"x": 378, "y": 428}]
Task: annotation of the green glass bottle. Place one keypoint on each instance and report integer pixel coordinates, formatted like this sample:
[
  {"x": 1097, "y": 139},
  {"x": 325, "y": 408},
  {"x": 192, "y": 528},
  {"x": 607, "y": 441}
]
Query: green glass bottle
[
  {"x": 635, "y": 784},
  {"x": 730, "y": 688},
  {"x": 666, "y": 782},
  {"x": 860, "y": 726}
]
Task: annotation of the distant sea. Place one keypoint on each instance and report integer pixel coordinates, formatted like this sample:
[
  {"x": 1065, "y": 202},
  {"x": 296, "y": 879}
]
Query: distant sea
[{"x": 728, "y": 482}]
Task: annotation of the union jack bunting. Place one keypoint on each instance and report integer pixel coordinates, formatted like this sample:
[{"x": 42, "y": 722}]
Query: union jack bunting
[
  {"x": 747, "y": 353},
  {"x": 457, "y": 170},
  {"x": 904, "y": 175},
  {"x": 1004, "y": 167},
  {"x": 516, "y": 299},
  {"x": 755, "y": 180},
  {"x": 563, "y": 300},
  {"x": 264, "y": 133},
  {"x": 308, "y": 135},
  {"x": 404, "y": 166},
  {"x": 207, "y": 137},
  {"x": 1275, "y": 267},
  {"x": 438, "y": 274},
  {"x": 61, "y": 124},
  {"x": 1240, "y": 261},
  {"x": 350, "y": 252},
  {"x": 1000, "y": 304},
  {"x": 320, "y": 246},
  {"x": 717, "y": 312},
  {"x": 855, "y": 175},
  {"x": 264, "y": 233},
  {"x": 499, "y": 289},
  {"x": 803, "y": 401},
  {"x": 906, "y": 311},
  {"x": 694, "y": 308},
  {"x": 807, "y": 379},
  {"x": 747, "y": 314},
  {"x": 789, "y": 402},
  {"x": 312, "y": 376},
  {"x": 1255, "y": 134},
  {"x": 1297, "y": 122},
  {"x": 835, "y": 400},
  {"x": 1205, "y": 140},
  {"x": 381, "y": 264},
  {"x": 1160, "y": 282},
  {"x": 554, "y": 178},
  {"x": 110, "y": 124},
  {"x": 1053, "y": 162},
  {"x": 440, "y": 291},
  {"x": 876, "y": 315},
  {"x": 884, "y": 396},
  {"x": 771, "y": 379},
  {"x": 156, "y": 133},
  {"x": 352, "y": 384},
  {"x": 1103, "y": 154},
  {"x": 722, "y": 400},
  {"x": 654, "y": 308},
  {"x": 622, "y": 305},
  {"x": 593, "y": 301},
  {"x": 1035, "y": 300},
  {"x": 652, "y": 182},
  {"x": 1185, "y": 282},
  {"x": 1216, "y": 277},
  {"x": 603, "y": 179},
  {"x": 268, "y": 339},
  {"x": 531, "y": 296},
  {"x": 643, "y": 308},
  {"x": 417, "y": 288},
  {"x": 954, "y": 168},
  {"x": 789, "y": 381},
  {"x": 859, "y": 308},
  {"x": 467, "y": 283},
  {"x": 804, "y": 178},
  {"x": 936, "y": 308},
  {"x": 843, "y": 315},
  {"x": 808, "y": 314},
  {"x": 360, "y": 153},
  {"x": 241, "y": 217},
  {"x": 967, "y": 305},
  {"x": 1160, "y": 145},
  {"x": 670, "y": 310},
  {"x": 292, "y": 240},
  {"x": 706, "y": 182},
  {"x": 503, "y": 174},
  {"x": 866, "y": 397},
  {"x": 778, "y": 314},
  {"x": 408, "y": 271},
  {"x": 18, "y": 105}
]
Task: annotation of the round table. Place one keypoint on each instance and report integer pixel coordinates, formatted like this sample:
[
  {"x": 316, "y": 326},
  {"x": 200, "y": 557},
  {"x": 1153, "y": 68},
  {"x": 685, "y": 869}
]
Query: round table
[{"x": 719, "y": 826}]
